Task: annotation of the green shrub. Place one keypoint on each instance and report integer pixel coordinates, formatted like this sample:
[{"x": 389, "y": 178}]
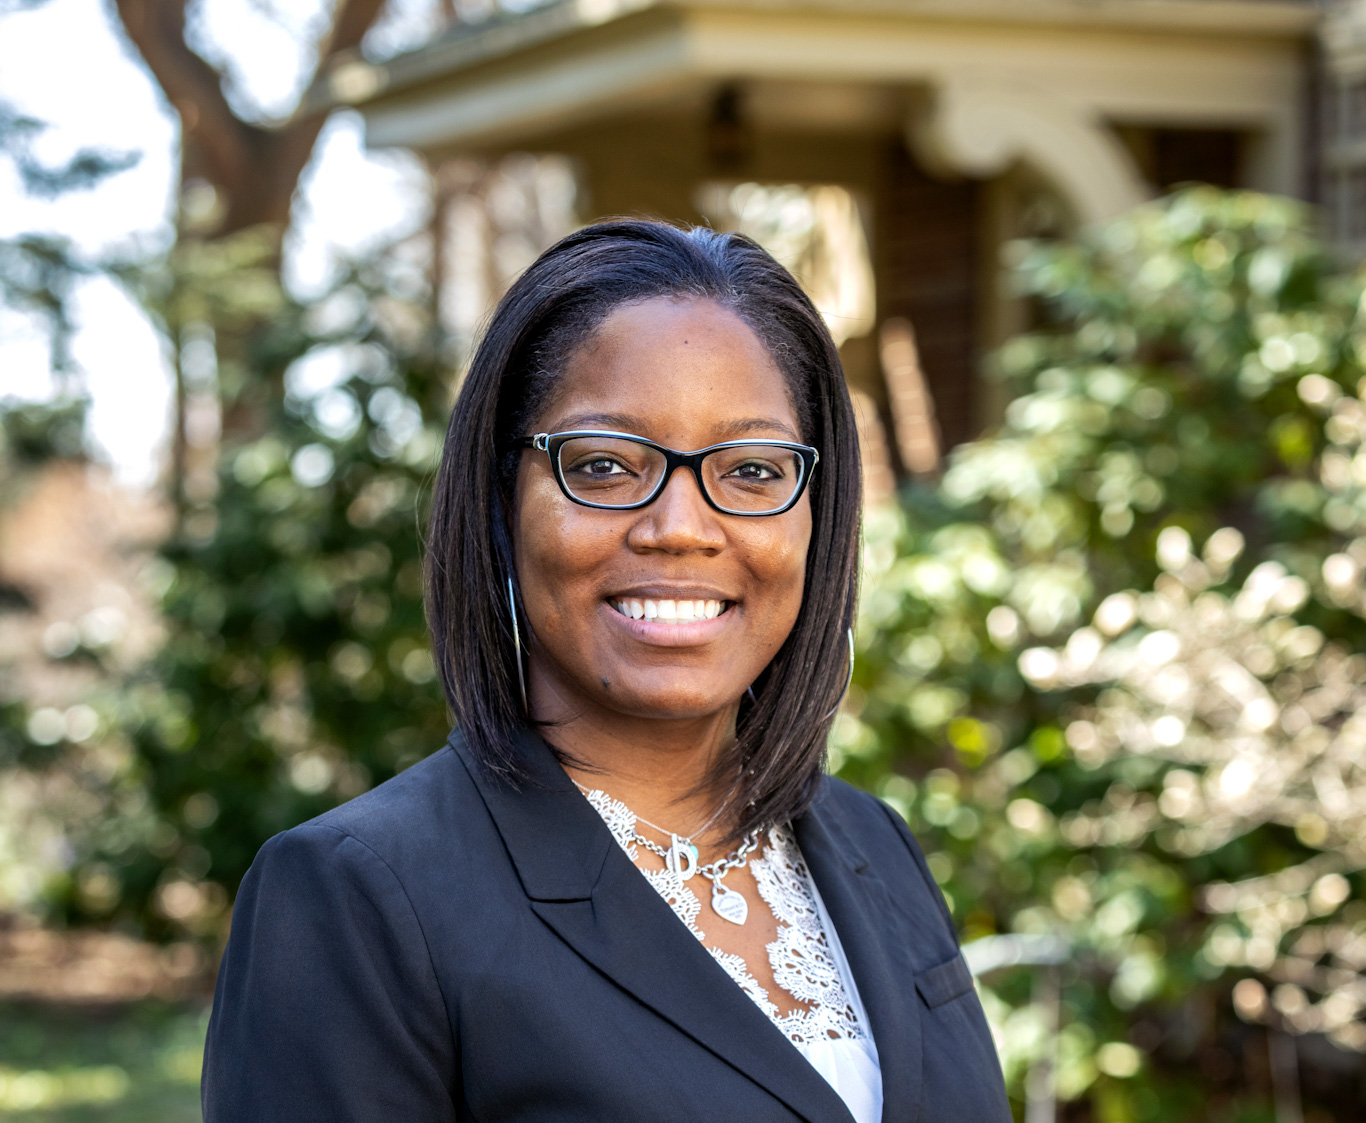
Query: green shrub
[{"x": 1194, "y": 376}]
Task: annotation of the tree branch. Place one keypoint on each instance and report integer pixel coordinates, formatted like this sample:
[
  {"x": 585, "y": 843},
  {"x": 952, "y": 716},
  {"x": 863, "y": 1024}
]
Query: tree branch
[
  {"x": 353, "y": 19},
  {"x": 286, "y": 150},
  {"x": 222, "y": 140},
  {"x": 255, "y": 170}
]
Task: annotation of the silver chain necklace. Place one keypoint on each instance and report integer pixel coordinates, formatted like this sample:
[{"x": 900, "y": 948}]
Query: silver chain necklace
[{"x": 681, "y": 857}]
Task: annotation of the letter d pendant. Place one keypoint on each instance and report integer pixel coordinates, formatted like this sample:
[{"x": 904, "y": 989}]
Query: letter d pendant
[{"x": 682, "y": 857}]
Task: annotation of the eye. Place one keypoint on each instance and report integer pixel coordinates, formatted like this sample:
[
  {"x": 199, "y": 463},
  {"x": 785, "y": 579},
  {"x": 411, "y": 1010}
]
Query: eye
[
  {"x": 756, "y": 470},
  {"x": 598, "y": 466}
]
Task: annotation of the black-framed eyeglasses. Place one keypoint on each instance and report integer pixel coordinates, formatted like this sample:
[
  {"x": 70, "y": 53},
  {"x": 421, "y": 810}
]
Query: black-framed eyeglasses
[{"x": 621, "y": 472}]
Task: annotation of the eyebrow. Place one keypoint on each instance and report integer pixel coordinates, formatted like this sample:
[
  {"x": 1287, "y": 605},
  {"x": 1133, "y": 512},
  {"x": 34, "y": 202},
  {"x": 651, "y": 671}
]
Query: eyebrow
[{"x": 629, "y": 423}]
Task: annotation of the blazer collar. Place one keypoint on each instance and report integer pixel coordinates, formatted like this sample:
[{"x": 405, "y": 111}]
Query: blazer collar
[
  {"x": 857, "y": 900},
  {"x": 557, "y": 842},
  {"x": 585, "y": 888}
]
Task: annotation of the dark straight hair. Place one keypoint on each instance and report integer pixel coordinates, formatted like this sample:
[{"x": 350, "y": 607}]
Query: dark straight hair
[{"x": 771, "y": 772}]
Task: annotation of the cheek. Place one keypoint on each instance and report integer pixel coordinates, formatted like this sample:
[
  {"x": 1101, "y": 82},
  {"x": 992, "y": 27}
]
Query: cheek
[
  {"x": 557, "y": 548},
  {"x": 778, "y": 563}
]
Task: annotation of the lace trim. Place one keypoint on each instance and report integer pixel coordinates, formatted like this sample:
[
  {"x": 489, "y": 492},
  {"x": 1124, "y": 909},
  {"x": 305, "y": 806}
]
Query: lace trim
[{"x": 800, "y": 956}]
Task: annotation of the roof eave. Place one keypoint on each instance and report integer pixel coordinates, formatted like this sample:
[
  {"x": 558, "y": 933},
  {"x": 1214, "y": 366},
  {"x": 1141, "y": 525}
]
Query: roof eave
[{"x": 354, "y": 82}]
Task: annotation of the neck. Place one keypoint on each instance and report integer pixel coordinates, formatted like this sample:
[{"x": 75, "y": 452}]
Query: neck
[{"x": 659, "y": 767}]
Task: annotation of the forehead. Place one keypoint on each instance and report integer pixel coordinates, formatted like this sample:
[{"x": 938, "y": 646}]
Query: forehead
[{"x": 680, "y": 369}]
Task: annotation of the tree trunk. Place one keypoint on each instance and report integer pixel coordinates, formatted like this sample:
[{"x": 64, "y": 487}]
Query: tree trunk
[{"x": 252, "y": 168}]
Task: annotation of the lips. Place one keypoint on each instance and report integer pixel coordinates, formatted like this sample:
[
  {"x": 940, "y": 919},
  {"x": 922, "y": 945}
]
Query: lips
[{"x": 668, "y": 611}]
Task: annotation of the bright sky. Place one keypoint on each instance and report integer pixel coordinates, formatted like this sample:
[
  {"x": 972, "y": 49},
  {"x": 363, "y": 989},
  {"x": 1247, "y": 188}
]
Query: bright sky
[{"x": 66, "y": 63}]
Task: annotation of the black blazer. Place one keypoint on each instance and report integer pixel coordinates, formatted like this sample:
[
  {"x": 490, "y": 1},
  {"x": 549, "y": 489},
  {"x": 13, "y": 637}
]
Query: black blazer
[{"x": 447, "y": 948}]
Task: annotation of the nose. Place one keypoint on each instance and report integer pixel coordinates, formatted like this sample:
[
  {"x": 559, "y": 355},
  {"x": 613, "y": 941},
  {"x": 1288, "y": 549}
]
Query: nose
[{"x": 679, "y": 521}]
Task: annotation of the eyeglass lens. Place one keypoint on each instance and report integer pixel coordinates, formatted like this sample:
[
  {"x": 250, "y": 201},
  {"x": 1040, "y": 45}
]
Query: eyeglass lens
[{"x": 752, "y": 477}]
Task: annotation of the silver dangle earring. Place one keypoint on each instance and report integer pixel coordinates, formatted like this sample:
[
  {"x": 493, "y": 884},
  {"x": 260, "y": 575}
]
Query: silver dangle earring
[{"x": 517, "y": 645}]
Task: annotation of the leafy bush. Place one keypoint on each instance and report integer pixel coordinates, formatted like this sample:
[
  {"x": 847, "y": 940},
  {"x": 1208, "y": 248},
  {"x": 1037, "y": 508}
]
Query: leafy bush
[
  {"x": 294, "y": 671},
  {"x": 1194, "y": 375},
  {"x": 1081, "y": 654}
]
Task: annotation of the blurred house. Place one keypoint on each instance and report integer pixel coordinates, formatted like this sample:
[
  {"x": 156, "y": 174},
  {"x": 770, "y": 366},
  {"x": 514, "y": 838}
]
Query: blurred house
[{"x": 897, "y": 145}]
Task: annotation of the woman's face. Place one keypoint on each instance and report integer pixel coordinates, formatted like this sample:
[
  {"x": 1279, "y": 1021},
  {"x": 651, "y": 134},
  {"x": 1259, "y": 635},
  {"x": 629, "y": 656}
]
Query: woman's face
[{"x": 686, "y": 373}]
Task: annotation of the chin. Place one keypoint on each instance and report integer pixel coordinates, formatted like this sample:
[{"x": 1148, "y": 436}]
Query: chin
[{"x": 670, "y": 704}]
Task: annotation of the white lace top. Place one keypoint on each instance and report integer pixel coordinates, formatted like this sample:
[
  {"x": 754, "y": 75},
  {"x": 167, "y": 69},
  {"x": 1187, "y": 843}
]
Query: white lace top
[{"x": 806, "y": 958}]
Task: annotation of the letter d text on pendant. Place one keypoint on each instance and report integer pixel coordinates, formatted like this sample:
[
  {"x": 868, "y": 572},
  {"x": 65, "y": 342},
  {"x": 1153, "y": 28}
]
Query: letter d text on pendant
[{"x": 682, "y": 858}]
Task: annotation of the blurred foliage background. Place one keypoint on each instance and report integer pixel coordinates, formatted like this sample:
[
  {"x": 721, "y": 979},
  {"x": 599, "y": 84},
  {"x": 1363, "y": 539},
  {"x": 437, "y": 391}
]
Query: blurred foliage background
[
  {"x": 1110, "y": 655},
  {"x": 1109, "y": 665},
  {"x": 1109, "y": 662}
]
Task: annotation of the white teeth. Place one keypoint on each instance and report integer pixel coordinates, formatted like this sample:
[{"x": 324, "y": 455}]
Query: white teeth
[{"x": 669, "y": 611}]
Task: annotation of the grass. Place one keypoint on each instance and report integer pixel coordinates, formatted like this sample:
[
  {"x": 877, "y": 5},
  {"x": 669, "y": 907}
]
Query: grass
[{"x": 132, "y": 1063}]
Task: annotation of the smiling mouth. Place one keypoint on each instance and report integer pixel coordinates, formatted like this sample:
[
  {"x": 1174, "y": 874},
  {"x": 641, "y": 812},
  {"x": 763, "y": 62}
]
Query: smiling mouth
[{"x": 669, "y": 611}]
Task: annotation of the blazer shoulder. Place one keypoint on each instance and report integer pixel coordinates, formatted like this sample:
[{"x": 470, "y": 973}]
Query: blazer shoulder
[
  {"x": 881, "y": 832},
  {"x": 426, "y": 808},
  {"x": 859, "y": 812}
]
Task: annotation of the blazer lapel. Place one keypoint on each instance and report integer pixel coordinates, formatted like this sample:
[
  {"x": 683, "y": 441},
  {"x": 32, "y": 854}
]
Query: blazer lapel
[
  {"x": 857, "y": 901},
  {"x": 586, "y": 889}
]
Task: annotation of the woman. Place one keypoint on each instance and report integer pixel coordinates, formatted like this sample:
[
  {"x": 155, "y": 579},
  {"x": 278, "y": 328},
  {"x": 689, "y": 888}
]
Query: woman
[{"x": 641, "y": 580}]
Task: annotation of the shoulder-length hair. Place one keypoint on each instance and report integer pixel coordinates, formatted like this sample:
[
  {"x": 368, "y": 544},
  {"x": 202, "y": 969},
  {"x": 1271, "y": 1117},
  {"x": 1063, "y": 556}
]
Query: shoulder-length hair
[{"x": 771, "y": 772}]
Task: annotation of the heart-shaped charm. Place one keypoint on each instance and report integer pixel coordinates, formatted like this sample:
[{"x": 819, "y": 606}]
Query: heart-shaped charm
[{"x": 728, "y": 904}]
